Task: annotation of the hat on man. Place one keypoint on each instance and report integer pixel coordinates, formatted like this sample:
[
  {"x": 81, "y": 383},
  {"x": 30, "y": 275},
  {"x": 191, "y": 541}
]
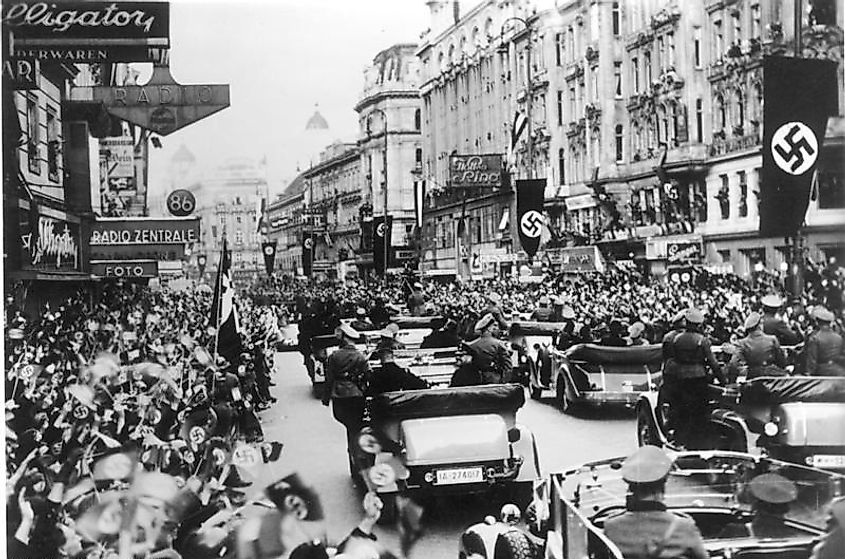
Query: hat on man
[
  {"x": 418, "y": 285},
  {"x": 360, "y": 311},
  {"x": 494, "y": 297},
  {"x": 752, "y": 321},
  {"x": 679, "y": 316},
  {"x": 773, "y": 488},
  {"x": 567, "y": 313},
  {"x": 390, "y": 331},
  {"x": 772, "y": 301},
  {"x": 484, "y": 322},
  {"x": 636, "y": 329},
  {"x": 544, "y": 301},
  {"x": 694, "y": 316},
  {"x": 347, "y": 331},
  {"x": 822, "y": 314},
  {"x": 647, "y": 465}
]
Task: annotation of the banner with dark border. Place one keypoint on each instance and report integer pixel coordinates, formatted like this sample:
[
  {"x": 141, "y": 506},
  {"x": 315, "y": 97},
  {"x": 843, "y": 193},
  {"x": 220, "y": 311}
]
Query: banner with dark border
[
  {"x": 381, "y": 237},
  {"x": 529, "y": 212},
  {"x": 269, "y": 250},
  {"x": 307, "y": 253}
]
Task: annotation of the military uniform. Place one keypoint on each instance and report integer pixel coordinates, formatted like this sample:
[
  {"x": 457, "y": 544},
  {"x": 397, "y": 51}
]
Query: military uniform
[
  {"x": 832, "y": 544},
  {"x": 646, "y": 530},
  {"x": 776, "y": 327},
  {"x": 758, "y": 354},
  {"x": 766, "y": 489},
  {"x": 490, "y": 356},
  {"x": 392, "y": 378},
  {"x": 542, "y": 313},
  {"x": 825, "y": 349}
]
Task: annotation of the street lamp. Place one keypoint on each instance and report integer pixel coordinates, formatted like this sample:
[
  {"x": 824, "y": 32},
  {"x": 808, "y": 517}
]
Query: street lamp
[{"x": 384, "y": 170}]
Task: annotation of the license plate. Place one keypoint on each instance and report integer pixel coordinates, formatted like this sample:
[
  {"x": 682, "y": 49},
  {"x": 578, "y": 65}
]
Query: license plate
[
  {"x": 459, "y": 475},
  {"x": 829, "y": 461}
]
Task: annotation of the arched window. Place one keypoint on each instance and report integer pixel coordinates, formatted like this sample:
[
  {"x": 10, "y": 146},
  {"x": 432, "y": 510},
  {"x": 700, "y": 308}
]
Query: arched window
[
  {"x": 721, "y": 117},
  {"x": 451, "y": 58},
  {"x": 619, "y": 144},
  {"x": 561, "y": 164},
  {"x": 474, "y": 37},
  {"x": 740, "y": 111},
  {"x": 417, "y": 120}
]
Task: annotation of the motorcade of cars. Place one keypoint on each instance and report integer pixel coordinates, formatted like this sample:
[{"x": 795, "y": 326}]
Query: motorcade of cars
[
  {"x": 533, "y": 346},
  {"x": 449, "y": 440},
  {"x": 795, "y": 418},
  {"x": 709, "y": 486},
  {"x": 590, "y": 375}
]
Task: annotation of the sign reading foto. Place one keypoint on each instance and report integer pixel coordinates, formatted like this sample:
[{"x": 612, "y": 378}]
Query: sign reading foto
[
  {"x": 475, "y": 170},
  {"x": 124, "y": 268}
]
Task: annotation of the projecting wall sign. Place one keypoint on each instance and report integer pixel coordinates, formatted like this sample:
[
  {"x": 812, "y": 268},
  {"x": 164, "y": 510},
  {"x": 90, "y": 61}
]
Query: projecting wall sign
[{"x": 162, "y": 105}]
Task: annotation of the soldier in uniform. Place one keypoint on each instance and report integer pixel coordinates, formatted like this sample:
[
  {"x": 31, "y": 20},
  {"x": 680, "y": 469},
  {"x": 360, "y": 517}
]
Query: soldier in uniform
[
  {"x": 774, "y": 326},
  {"x": 832, "y": 544},
  {"x": 346, "y": 372},
  {"x": 490, "y": 356},
  {"x": 758, "y": 354},
  {"x": 646, "y": 529},
  {"x": 362, "y": 323},
  {"x": 387, "y": 338},
  {"x": 687, "y": 356},
  {"x": 543, "y": 313},
  {"x": 825, "y": 349},
  {"x": 390, "y": 377},
  {"x": 771, "y": 495},
  {"x": 416, "y": 301},
  {"x": 494, "y": 301}
]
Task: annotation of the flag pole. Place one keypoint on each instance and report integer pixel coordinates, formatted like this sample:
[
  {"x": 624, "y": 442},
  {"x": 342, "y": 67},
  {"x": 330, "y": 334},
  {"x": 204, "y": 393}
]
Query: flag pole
[{"x": 219, "y": 293}]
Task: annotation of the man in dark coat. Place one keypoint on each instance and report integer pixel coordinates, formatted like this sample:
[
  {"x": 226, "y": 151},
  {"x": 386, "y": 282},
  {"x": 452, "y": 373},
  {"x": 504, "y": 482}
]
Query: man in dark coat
[
  {"x": 390, "y": 377},
  {"x": 774, "y": 326},
  {"x": 825, "y": 349}
]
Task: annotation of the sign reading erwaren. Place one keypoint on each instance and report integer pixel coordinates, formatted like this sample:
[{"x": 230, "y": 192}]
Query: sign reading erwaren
[
  {"x": 139, "y": 231},
  {"x": 476, "y": 170}
]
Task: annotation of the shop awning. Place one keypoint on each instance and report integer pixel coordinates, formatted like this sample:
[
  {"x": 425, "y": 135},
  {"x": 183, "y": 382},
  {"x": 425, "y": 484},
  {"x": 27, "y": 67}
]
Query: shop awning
[{"x": 505, "y": 221}]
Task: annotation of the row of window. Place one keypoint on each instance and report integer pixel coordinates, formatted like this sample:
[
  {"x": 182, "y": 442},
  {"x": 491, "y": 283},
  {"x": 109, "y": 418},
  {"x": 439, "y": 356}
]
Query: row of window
[{"x": 34, "y": 138}]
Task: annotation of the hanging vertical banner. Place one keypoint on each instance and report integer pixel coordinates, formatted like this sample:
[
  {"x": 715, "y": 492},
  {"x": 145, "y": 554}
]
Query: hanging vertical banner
[
  {"x": 529, "y": 209},
  {"x": 269, "y": 250},
  {"x": 798, "y": 96},
  {"x": 419, "y": 201},
  {"x": 381, "y": 238},
  {"x": 202, "y": 260},
  {"x": 307, "y": 253}
]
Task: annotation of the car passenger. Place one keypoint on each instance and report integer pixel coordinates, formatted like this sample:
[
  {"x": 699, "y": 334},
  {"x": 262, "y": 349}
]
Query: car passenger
[
  {"x": 390, "y": 377},
  {"x": 466, "y": 374},
  {"x": 490, "y": 356},
  {"x": 775, "y": 326},
  {"x": 832, "y": 544},
  {"x": 758, "y": 354},
  {"x": 646, "y": 529},
  {"x": 825, "y": 349},
  {"x": 772, "y": 494},
  {"x": 387, "y": 338},
  {"x": 447, "y": 336},
  {"x": 542, "y": 313}
]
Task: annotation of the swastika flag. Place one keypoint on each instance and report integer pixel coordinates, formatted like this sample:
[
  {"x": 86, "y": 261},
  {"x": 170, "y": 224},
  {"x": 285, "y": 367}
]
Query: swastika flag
[
  {"x": 799, "y": 94},
  {"x": 529, "y": 209}
]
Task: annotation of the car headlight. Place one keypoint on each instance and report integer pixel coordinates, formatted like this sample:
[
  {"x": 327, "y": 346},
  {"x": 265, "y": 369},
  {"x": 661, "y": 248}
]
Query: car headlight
[{"x": 770, "y": 429}]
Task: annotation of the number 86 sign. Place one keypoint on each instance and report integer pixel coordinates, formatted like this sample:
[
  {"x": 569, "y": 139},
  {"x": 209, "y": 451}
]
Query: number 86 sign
[{"x": 181, "y": 203}]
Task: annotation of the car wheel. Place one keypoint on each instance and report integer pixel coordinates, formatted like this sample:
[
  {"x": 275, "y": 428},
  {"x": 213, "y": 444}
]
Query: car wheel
[
  {"x": 646, "y": 431},
  {"x": 514, "y": 544},
  {"x": 566, "y": 405}
]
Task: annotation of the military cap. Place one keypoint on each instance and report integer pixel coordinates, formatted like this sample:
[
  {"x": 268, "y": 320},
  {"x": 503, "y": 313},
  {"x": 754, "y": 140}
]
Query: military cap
[
  {"x": 647, "y": 465},
  {"x": 360, "y": 311},
  {"x": 636, "y": 329},
  {"x": 772, "y": 301},
  {"x": 390, "y": 331},
  {"x": 484, "y": 322},
  {"x": 543, "y": 301},
  {"x": 567, "y": 313},
  {"x": 822, "y": 314},
  {"x": 679, "y": 316},
  {"x": 773, "y": 488},
  {"x": 694, "y": 316},
  {"x": 418, "y": 285},
  {"x": 752, "y": 321},
  {"x": 347, "y": 331}
]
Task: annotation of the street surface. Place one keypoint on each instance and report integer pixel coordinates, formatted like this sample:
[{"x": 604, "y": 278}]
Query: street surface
[{"x": 314, "y": 447}]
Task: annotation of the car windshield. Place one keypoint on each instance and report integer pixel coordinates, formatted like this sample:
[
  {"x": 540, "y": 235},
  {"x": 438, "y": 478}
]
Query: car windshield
[{"x": 706, "y": 480}]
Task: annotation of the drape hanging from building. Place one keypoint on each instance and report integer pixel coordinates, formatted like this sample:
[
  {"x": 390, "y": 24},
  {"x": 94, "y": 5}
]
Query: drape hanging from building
[
  {"x": 529, "y": 208},
  {"x": 381, "y": 238},
  {"x": 798, "y": 96},
  {"x": 269, "y": 250},
  {"x": 307, "y": 253}
]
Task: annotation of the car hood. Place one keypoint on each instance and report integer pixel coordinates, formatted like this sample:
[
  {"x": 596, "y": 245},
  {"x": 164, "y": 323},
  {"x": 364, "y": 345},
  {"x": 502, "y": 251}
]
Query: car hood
[{"x": 455, "y": 439}]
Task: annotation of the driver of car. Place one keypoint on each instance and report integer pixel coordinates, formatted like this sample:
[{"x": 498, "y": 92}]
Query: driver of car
[
  {"x": 647, "y": 530},
  {"x": 390, "y": 377},
  {"x": 758, "y": 354},
  {"x": 771, "y": 494}
]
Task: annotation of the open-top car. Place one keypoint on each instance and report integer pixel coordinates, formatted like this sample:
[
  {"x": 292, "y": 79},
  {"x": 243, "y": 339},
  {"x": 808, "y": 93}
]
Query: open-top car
[
  {"x": 413, "y": 329},
  {"x": 711, "y": 487},
  {"x": 594, "y": 375},
  {"x": 795, "y": 418},
  {"x": 434, "y": 366},
  {"x": 449, "y": 440},
  {"x": 533, "y": 345}
]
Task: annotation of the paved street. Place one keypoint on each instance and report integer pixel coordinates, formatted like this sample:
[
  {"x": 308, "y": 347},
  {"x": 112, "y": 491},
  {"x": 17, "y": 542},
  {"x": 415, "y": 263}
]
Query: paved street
[{"x": 314, "y": 446}]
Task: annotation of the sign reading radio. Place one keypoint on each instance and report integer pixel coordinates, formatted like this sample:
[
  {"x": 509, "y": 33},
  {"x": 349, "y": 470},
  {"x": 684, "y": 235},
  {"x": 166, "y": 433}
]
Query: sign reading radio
[
  {"x": 475, "y": 170},
  {"x": 139, "y": 231}
]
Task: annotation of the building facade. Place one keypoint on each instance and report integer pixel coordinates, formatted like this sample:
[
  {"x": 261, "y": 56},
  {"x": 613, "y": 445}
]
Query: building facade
[
  {"x": 390, "y": 151},
  {"x": 228, "y": 201},
  {"x": 644, "y": 119},
  {"x": 285, "y": 226}
]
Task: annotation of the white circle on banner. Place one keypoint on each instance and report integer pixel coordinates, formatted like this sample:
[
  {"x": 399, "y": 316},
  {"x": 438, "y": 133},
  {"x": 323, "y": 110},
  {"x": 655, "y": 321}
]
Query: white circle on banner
[
  {"x": 381, "y": 229},
  {"x": 308, "y": 243},
  {"x": 268, "y": 250},
  {"x": 531, "y": 224},
  {"x": 794, "y": 148}
]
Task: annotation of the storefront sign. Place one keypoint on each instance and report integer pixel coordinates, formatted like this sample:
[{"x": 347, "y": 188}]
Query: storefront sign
[
  {"x": 181, "y": 203},
  {"x": 688, "y": 252},
  {"x": 124, "y": 268},
  {"x": 140, "y": 231},
  {"x": 162, "y": 105},
  {"x": 52, "y": 245},
  {"x": 118, "y": 154},
  {"x": 475, "y": 170},
  {"x": 19, "y": 73},
  {"x": 577, "y": 259}
]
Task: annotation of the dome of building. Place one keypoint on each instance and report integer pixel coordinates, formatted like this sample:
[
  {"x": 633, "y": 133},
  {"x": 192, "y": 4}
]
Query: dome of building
[
  {"x": 183, "y": 155},
  {"x": 317, "y": 122}
]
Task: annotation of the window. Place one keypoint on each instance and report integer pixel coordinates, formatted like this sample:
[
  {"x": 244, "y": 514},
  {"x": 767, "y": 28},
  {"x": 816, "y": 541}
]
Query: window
[
  {"x": 743, "y": 194},
  {"x": 699, "y": 121},
  {"x": 559, "y": 39},
  {"x": 740, "y": 113},
  {"x": 647, "y": 62},
  {"x": 561, "y": 165},
  {"x": 417, "y": 120},
  {"x": 619, "y": 144},
  {"x": 822, "y": 12},
  {"x": 214, "y": 231},
  {"x": 661, "y": 53},
  {"x": 755, "y": 21},
  {"x": 723, "y": 196},
  {"x": 594, "y": 82},
  {"x": 418, "y": 157},
  {"x": 696, "y": 47},
  {"x": 237, "y": 200},
  {"x": 635, "y": 71},
  {"x": 736, "y": 21},
  {"x": 33, "y": 133},
  {"x": 239, "y": 237},
  {"x": 570, "y": 46},
  {"x": 616, "y": 18},
  {"x": 721, "y": 118},
  {"x": 238, "y": 219},
  {"x": 560, "y": 108},
  {"x": 670, "y": 46},
  {"x": 572, "y": 110},
  {"x": 53, "y": 146},
  {"x": 617, "y": 78},
  {"x": 718, "y": 40},
  {"x": 831, "y": 187}
]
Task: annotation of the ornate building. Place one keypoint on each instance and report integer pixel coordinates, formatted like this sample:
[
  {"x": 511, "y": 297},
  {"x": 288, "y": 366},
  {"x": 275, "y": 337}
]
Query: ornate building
[{"x": 285, "y": 217}]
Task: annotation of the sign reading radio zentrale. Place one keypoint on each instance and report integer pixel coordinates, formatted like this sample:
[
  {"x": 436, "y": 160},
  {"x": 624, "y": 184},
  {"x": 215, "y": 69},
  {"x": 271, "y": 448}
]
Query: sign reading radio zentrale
[
  {"x": 157, "y": 231},
  {"x": 476, "y": 170}
]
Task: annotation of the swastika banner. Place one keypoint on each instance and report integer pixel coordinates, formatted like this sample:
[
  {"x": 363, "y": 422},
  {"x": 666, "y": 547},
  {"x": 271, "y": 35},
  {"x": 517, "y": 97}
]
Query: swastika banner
[
  {"x": 381, "y": 238},
  {"x": 307, "y": 253},
  {"x": 799, "y": 94},
  {"x": 529, "y": 210},
  {"x": 269, "y": 250}
]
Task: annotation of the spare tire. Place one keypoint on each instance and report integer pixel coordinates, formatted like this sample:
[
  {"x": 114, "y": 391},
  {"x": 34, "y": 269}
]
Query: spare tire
[
  {"x": 472, "y": 544},
  {"x": 514, "y": 544}
]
